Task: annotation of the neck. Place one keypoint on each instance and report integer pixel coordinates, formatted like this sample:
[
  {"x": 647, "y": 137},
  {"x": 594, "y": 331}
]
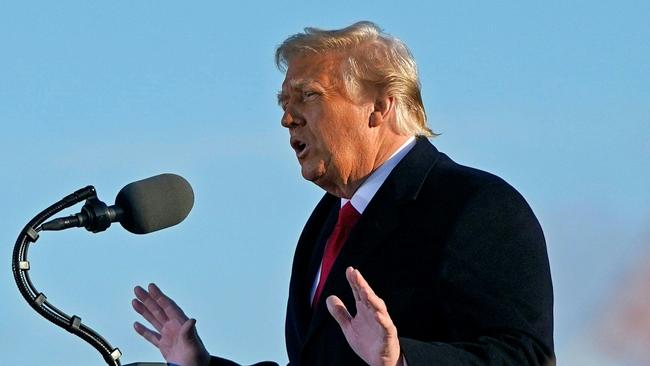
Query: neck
[{"x": 379, "y": 156}]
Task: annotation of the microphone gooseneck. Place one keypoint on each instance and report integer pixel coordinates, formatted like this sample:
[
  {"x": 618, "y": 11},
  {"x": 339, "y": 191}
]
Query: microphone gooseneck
[{"x": 37, "y": 300}]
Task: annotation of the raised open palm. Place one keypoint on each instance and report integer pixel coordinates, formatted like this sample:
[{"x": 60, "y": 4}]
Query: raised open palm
[
  {"x": 371, "y": 332},
  {"x": 175, "y": 336}
]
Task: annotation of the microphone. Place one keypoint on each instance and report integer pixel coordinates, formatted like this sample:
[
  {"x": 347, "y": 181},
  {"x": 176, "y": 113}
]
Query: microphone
[{"x": 140, "y": 207}]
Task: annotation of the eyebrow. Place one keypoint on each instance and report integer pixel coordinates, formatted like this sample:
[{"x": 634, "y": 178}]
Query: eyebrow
[
  {"x": 282, "y": 97},
  {"x": 300, "y": 83}
]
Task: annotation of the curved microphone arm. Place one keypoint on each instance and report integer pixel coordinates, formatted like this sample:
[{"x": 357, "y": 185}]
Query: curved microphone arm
[{"x": 37, "y": 300}]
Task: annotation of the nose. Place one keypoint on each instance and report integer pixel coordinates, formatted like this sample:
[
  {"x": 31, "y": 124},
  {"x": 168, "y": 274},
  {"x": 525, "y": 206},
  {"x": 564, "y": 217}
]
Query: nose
[
  {"x": 291, "y": 119},
  {"x": 287, "y": 120}
]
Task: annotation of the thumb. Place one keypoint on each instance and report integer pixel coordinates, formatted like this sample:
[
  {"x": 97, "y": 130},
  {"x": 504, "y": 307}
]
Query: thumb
[
  {"x": 340, "y": 313},
  {"x": 188, "y": 330}
]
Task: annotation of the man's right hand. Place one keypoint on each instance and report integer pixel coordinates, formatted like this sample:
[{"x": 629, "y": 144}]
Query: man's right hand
[{"x": 175, "y": 334}]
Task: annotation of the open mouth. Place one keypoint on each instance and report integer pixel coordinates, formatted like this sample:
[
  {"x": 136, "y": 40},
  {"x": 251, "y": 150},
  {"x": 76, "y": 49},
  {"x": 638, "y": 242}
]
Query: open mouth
[{"x": 299, "y": 147}]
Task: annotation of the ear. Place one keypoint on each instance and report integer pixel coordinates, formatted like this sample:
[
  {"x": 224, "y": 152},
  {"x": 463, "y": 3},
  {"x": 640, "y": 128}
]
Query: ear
[{"x": 384, "y": 108}]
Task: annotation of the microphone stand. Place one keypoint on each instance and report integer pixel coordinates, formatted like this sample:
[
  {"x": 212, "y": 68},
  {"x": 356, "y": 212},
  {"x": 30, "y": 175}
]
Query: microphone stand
[{"x": 36, "y": 299}]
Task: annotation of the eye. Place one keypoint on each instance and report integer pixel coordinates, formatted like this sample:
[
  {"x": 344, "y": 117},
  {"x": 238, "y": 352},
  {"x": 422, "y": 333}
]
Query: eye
[
  {"x": 309, "y": 94},
  {"x": 283, "y": 102}
]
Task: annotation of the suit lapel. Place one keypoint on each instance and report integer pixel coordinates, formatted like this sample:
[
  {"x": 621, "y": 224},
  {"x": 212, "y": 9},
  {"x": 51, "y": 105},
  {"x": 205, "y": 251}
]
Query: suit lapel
[
  {"x": 299, "y": 312},
  {"x": 381, "y": 217}
]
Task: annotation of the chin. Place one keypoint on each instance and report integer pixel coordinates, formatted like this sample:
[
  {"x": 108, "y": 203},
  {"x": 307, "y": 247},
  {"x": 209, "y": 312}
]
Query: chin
[
  {"x": 310, "y": 176},
  {"x": 313, "y": 174}
]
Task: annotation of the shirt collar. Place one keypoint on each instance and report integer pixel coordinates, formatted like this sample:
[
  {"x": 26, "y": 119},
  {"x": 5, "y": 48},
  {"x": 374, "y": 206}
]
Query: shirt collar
[{"x": 361, "y": 198}]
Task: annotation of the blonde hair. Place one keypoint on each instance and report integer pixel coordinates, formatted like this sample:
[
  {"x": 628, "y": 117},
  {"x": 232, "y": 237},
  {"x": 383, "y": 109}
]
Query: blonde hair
[{"x": 374, "y": 59}]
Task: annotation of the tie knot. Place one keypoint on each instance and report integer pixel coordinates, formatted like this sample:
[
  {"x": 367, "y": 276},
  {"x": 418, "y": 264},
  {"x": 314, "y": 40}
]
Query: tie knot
[{"x": 348, "y": 216}]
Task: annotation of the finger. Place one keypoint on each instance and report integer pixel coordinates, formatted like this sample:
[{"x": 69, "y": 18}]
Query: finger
[
  {"x": 366, "y": 295},
  {"x": 148, "y": 334},
  {"x": 141, "y": 309},
  {"x": 349, "y": 274},
  {"x": 339, "y": 312},
  {"x": 374, "y": 303},
  {"x": 168, "y": 305},
  {"x": 361, "y": 282},
  {"x": 151, "y": 304}
]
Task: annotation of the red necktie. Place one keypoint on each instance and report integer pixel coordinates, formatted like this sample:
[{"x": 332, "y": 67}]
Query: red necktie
[{"x": 348, "y": 216}]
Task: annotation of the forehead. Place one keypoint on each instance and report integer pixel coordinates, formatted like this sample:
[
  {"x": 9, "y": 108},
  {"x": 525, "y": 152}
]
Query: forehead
[{"x": 323, "y": 69}]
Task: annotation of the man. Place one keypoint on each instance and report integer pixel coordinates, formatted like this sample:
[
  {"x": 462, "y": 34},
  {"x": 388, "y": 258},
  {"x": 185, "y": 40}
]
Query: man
[{"x": 454, "y": 264}]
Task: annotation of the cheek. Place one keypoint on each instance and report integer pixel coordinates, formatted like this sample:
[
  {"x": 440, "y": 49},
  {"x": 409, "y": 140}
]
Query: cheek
[
  {"x": 332, "y": 143},
  {"x": 322, "y": 128},
  {"x": 334, "y": 131}
]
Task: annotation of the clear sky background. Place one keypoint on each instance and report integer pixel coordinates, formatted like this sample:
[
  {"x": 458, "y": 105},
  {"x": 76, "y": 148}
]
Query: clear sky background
[{"x": 552, "y": 96}]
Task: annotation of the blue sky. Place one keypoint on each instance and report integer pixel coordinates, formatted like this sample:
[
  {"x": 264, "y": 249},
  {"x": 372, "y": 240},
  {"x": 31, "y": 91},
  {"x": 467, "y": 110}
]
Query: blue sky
[{"x": 554, "y": 97}]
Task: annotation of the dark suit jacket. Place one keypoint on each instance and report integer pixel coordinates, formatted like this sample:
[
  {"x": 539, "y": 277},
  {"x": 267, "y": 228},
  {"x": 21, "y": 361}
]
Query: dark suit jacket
[{"x": 457, "y": 255}]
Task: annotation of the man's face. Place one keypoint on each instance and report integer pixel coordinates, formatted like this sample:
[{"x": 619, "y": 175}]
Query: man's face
[{"x": 328, "y": 129}]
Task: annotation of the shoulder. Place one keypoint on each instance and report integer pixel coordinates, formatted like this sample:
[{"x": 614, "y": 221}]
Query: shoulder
[
  {"x": 426, "y": 170},
  {"x": 461, "y": 184},
  {"x": 454, "y": 195}
]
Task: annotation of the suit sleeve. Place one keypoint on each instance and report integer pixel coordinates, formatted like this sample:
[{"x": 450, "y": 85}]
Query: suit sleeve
[{"x": 495, "y": 286}]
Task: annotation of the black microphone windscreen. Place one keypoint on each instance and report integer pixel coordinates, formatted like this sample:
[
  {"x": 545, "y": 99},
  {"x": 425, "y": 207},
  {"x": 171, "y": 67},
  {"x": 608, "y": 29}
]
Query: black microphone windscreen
[{"x": 155, "y": 203}]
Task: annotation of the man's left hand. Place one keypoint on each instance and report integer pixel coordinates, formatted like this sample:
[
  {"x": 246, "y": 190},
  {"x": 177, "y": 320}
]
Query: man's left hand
[{"x": 371, "y": 332}]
